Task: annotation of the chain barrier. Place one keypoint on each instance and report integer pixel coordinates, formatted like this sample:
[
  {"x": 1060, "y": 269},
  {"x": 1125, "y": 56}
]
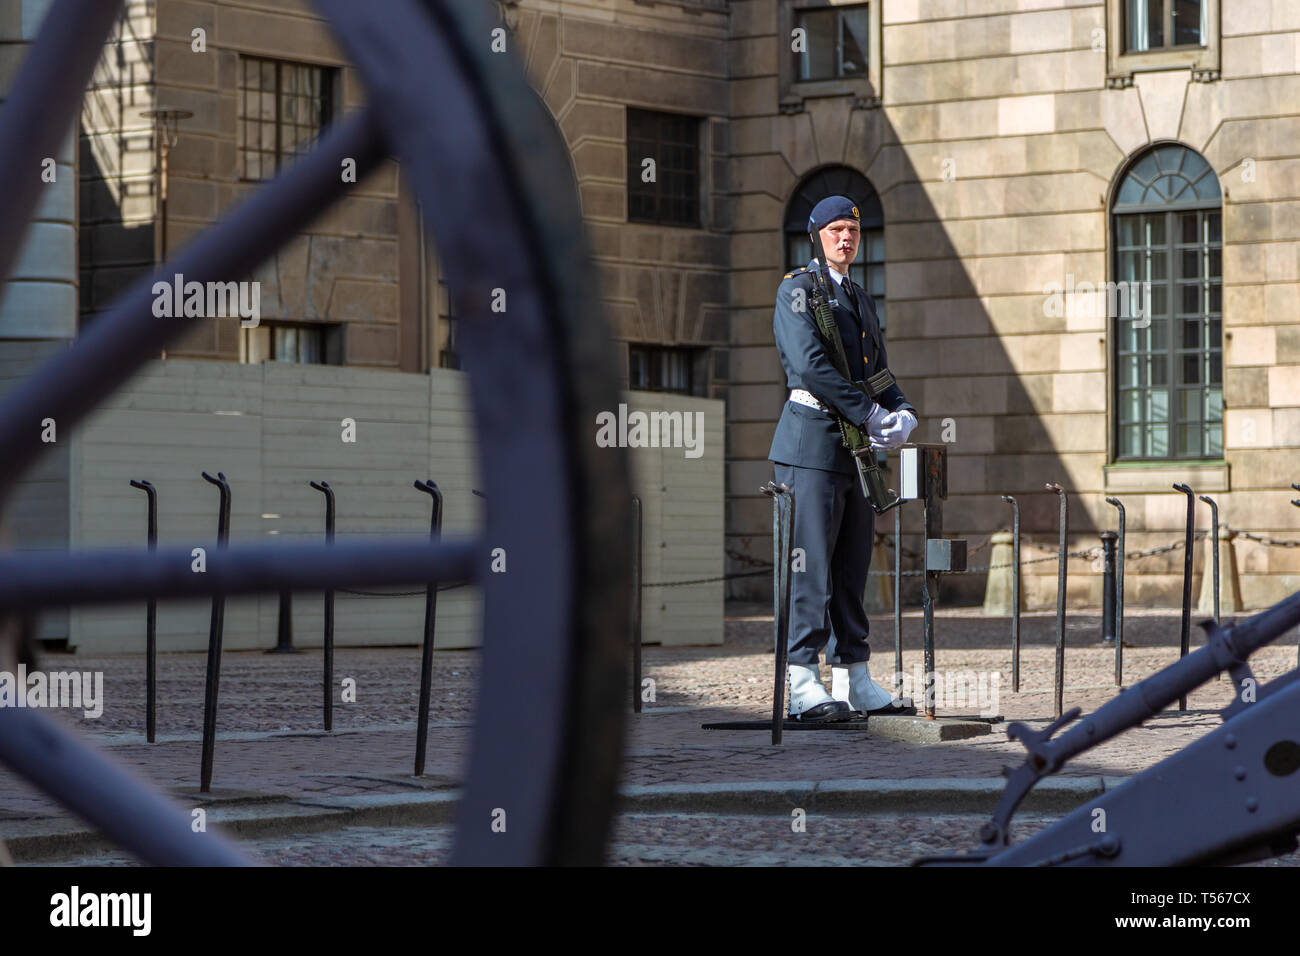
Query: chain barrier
[{"x": 765, "y": 567}]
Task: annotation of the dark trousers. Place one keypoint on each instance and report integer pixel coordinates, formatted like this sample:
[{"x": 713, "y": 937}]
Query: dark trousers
[{"x": 835, "y": 527}]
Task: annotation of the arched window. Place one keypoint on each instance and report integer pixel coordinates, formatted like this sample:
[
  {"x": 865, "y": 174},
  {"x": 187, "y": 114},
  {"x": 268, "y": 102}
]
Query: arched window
[
  {"x": 1167, "y": 232},
  {"x": 868, "y": 269}
]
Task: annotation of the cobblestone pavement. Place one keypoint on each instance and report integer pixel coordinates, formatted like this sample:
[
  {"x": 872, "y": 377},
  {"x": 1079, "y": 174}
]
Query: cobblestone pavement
[{"x": 269, "y": 742}]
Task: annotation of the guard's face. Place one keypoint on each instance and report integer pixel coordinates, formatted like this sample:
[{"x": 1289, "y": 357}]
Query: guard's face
[{"x": 840, "y": 240}]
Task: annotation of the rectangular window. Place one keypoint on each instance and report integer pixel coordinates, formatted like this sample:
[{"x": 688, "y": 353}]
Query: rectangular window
[
  {"x": 1169, "y": 377},
  {"x": 665, "y": 192},
  {"x": 656, "y": 368},
  {"x": 308, "y": 343},
  {"x": 1164, "y": 24},
  {"x": 834, "y": 43},
  {"x": 282, "y": 109}
]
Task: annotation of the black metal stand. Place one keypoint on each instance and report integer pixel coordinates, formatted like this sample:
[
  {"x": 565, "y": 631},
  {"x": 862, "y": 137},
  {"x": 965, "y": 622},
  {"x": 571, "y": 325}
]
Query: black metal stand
[
  {"x": 1108, "y": 539},
  {"x": 782, "y": 547},
  {"x": 430, "y": 617},
  {"x": 898, "y": 599},
  {"x": 215, "y": 629},
  {"x": 1119, "y": 595},
  {"x": 328, "y": 642},
  {"x": 1058, "y": 679},
  {"x": 284, "y": 626},
  {"x": 151, "y": 624},
  {"x": 637, "y": 532},
  {"x": 1184, "y": 638}
]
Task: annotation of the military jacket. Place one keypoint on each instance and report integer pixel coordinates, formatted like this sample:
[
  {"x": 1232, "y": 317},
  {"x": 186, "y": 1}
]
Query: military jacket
[{"x": 806, "y": 436}]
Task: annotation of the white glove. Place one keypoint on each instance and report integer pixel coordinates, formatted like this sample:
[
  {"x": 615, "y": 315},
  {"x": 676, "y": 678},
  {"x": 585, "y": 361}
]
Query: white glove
[
  {"x": 896, "y": 427},
  {"x": 875, "y": 420}
]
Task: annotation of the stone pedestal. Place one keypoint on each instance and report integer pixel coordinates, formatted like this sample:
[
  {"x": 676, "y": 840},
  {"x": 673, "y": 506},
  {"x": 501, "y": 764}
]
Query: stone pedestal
[
  {"x": 1229, "y": 586},
  {"x": 998, "y": 590},
  {"x": 878, "y": 597}
]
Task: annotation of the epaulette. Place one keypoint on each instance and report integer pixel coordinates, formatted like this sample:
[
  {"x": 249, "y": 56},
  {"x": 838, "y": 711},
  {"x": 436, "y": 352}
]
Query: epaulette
[{"x": 790, "y": 275}]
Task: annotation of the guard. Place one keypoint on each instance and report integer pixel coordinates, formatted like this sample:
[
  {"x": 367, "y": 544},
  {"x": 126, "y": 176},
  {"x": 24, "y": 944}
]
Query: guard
[{"x": 834, "y": 522}]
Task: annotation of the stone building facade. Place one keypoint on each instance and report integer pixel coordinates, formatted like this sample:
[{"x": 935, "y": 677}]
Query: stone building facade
[{"x": 998, "y": 136}]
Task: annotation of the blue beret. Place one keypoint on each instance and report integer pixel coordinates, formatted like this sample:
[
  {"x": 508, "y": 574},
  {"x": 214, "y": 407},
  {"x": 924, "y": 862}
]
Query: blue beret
[{"x": 830, "y": 209}]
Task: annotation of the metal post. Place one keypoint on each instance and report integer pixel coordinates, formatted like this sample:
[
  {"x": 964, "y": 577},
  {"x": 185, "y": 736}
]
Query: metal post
[
  {"x": 785, "y": 505},
  {"x": 1119, "y": 596},
  {"x": 430, "y": 615},
  {"x": 1296, "y": 502},
  {"x": 898, "y": 599},
  {"x": 1214, "y": 543},
  {"x": 1188, "y": 542},
  {"x": 1058, "y": 679},
  {"x": 284, "y": 626},
  {"x": 1108, "y": 586},
  {"x": 935, "y": 489},
  {"x": 328, "y": 643},
  {"x": 215, "y": 628},
  {"x": 1015, "y": 593},
  {"x": 151, "y": 624},
  {"x": 637, "y": 532},
  {"x": 782, "y": 544}
]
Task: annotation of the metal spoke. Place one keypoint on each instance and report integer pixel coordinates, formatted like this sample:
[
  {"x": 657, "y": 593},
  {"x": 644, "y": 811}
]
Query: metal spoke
[
  {"x": 478, "y": 147},
  {"x": 91, "y": 785},
  {"x": 34, "y": 580},
  {"x": 118, "y": 343}
]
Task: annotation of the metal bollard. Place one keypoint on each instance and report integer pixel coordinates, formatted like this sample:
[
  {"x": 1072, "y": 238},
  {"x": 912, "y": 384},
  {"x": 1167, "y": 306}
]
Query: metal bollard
[
  {"x": 215, "y": 629},
  {"x": 284, "y": 626},
  {"x": 782, "y": 545},
  {"x": 430, "y": 614},
  {"x": 1214, "y": 561},
  {"x": 1108, "y": 586},
  {"x": 150, "y": 625},
  {"x": 1188, "y": 541},
  {"x": 898, "y": 599},
  {"x": 1015, "y": 588},
  {"x": 1119, "y": 597},
  {"x": 1058, "y": 680},
  {"x": 328, "y": 643},
  {"x": 637, "y": 532}
]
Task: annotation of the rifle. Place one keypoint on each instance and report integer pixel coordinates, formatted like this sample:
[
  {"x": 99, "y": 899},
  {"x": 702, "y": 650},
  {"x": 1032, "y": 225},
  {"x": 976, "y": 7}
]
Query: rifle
[{"x": 870, "y": 476}]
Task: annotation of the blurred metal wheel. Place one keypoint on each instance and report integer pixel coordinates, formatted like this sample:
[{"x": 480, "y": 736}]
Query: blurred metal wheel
[{"x": 493, "y": 176}]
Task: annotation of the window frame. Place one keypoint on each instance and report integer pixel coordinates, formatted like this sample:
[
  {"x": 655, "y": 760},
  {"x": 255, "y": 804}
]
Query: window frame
[
  {"x": 329, "y": 100},
  {"x": 257, "y": 343},
  {"x": 634, "y": 169},
  {"x": 1203, "y": 61},
  {"x": 866, "y": 91},
  {"x": 1171, "y": 248},
  {"x": 695, "y": 358}
]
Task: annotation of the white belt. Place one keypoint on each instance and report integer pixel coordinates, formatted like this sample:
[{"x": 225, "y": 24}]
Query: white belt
[{"x": 805, "y": 397}]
